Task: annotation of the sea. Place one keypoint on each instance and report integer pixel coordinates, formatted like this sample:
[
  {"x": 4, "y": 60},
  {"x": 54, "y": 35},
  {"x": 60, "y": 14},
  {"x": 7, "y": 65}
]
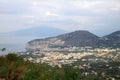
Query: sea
[{"x": 14, "y": 44}]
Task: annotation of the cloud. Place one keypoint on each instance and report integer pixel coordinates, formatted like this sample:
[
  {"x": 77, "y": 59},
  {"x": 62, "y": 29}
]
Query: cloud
[
  {"x": 92, "y": 15},
  {"x": 50, "y": 14}
]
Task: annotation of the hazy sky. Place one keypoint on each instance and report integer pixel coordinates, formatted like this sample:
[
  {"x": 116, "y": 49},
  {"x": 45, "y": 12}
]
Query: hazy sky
[{"x": 98, "y": 16}]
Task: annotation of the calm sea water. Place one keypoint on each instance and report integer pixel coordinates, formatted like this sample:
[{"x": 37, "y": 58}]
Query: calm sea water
[{"x": 14, "y": 44}]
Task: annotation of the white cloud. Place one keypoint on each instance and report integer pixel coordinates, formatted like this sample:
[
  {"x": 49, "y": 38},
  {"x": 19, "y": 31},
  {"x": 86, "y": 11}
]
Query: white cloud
[
  {"x": 64, "y": 14},
  {"x": 51, "y": 14}
]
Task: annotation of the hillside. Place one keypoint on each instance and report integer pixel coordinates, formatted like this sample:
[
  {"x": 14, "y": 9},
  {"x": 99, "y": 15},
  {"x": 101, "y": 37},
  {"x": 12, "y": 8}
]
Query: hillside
[
  {"x": 74, "y": 39},
  {"x": 111, "y": 40},
  {"x": 77, "y": 39}
]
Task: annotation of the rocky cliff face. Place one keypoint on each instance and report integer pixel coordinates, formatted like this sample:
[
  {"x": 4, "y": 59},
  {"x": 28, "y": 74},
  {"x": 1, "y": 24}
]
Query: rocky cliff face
[
  {"x": 44, "y": 44},
  {"x": 74, "y": 39}
]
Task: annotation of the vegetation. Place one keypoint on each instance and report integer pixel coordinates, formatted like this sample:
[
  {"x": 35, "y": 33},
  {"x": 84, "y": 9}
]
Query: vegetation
[
  {"x": 13, "y": 67},
  {"x": 3, "y": 49}
]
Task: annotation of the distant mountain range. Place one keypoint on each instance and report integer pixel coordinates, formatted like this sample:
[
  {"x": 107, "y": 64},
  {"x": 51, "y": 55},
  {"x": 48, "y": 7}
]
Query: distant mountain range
[
  {"x": 16, "y": 40},
  {"x": 75, "y": 39},
  {"x": 42, "y": 31}
]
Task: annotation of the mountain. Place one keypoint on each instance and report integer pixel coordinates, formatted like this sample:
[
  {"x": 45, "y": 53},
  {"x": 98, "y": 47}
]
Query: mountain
[
  {"x": 18, "y": 39},
  {"x": 111, "y": 40},
  {"x": 79, "y": 39},
  {"x": 73, "y": 39},
  {"x": 42, "y": 31}
]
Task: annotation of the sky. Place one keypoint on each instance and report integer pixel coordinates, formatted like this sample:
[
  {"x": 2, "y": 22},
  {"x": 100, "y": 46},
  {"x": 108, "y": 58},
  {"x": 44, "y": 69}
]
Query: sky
[{"x": 98, "y": 16}]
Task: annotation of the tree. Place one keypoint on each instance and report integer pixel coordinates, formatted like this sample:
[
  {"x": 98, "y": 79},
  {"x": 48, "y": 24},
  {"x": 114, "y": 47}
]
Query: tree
[
  {"x": 3, "y": 49},
  {"x": 12, "y": 67}
]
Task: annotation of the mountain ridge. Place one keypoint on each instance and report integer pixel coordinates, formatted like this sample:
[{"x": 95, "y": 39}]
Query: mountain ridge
[{"x": 78, "y": 38}]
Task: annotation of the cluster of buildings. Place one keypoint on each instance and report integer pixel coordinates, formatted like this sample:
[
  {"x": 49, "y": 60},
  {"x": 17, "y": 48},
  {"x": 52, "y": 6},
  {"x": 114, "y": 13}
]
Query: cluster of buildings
[
  {"x": 61, "y": 58},
  {"x": 83, "y": 59}
]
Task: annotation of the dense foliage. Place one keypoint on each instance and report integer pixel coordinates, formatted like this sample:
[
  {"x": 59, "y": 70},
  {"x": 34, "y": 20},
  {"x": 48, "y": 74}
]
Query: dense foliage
[{"x": 13, "y": 67}]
